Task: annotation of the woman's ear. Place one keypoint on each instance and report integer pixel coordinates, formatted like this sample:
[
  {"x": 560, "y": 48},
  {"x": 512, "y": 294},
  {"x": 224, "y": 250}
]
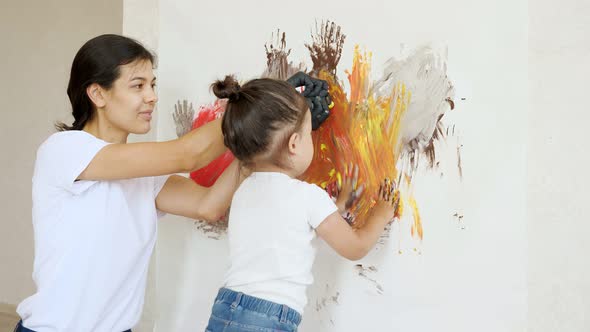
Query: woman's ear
[
  {"x": 294, "y": 141},
  {"x": 96, "y": 94}
]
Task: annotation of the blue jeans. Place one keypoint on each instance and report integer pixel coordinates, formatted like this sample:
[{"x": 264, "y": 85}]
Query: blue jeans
[
  {"x": 233, "y": 312},
  {"x": 20, "y": 328}
]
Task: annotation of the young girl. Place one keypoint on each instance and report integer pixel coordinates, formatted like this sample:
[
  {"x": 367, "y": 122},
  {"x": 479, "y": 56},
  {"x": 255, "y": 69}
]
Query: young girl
[
  {"x": 274, "y": 216},
  {"x": 96, "y": 198}
]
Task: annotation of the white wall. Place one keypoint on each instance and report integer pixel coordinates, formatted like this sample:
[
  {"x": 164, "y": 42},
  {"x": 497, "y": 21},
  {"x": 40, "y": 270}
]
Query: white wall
[
  {"x": 557, "y": 166},
  {"x": 465, "y": 279},
  {"x": 39, "y": 40}
]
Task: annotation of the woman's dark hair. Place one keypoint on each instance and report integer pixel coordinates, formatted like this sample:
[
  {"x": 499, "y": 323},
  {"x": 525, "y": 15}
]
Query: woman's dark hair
[
  {"x": 98, "y": 61},
  {"x": 256, "y": 111}
]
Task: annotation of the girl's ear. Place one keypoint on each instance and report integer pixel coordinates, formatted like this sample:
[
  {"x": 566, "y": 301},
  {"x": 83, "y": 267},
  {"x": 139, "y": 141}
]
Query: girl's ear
[{"x": 294, "y": 141}]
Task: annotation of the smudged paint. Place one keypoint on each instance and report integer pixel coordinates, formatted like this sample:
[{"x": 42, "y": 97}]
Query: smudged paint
[
  {"x": 212, "y": 230},
  {"x": 207, "y": 175},
  {"x": 365, "y": 272},
  {"x": 416, "y": 228},
  {"x": 278, "y": 65},
  {"x": 324, "y": 302},
  {"x": 382, "y": 126},
  {"x": 387, "y": 126},
  {"x": 326, "y": 47}
]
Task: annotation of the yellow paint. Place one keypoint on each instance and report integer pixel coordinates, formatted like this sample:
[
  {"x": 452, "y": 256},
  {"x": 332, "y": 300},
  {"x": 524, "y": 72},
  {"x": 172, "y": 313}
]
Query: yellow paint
[{"x": 363, "y": 130}]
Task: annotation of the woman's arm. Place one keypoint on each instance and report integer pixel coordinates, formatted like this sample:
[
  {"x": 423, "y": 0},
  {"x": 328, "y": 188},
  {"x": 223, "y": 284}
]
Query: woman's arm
[
  {"x": 182, "y": 196},
  {"x": 131, "y": 160},
  {"x": 354, "y": 244}
]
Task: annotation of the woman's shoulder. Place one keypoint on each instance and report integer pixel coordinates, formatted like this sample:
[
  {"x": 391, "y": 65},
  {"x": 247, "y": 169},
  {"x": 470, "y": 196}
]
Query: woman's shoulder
[
  {"x": 68, "y": 135},
  {"x": 63, "y": 139}
]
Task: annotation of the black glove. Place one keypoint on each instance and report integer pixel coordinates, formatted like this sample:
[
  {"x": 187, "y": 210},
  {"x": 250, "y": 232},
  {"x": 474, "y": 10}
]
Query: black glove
[{"x": 316, "y": 93}]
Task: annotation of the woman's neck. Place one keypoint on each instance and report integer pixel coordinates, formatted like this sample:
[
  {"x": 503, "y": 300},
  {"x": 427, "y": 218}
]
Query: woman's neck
[{"x": 105, "y": 131}]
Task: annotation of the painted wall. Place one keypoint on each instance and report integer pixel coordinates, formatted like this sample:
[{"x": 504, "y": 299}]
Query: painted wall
[{"x": 462, "y": 273}]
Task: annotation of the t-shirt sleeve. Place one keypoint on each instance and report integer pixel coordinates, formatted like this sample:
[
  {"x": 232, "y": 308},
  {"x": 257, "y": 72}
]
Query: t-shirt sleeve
[
  {"x": 64, "y": 156},
  {"x": 319, "y": 204},
  {"x": 159, "y": 182}
]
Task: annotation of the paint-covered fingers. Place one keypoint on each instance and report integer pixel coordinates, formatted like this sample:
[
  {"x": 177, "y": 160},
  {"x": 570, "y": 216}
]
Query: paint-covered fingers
[
  {"x": 318, "y": 119},
  {"x": 316, "y": 92},
  {"x": 320, "y": 89},
  {"x": 390, "y": 193},
  {"x": 301, "y": 79},
  {"x": 386, "y": 195},
  {"x": 387, "y": 190},
  {"x": 313, "y": 87},
  {"x": 319, "y": 111}
]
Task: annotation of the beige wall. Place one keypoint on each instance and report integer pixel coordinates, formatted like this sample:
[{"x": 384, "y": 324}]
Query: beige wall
[{"x": 39, "y": 40}]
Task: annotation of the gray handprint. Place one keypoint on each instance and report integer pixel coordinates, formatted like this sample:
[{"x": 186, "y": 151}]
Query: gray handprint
[{"x": 183, "y": 117}]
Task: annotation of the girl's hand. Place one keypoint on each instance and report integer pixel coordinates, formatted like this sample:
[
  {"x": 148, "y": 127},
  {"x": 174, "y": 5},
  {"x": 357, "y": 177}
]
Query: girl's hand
[{"x": 387, "y": 199}]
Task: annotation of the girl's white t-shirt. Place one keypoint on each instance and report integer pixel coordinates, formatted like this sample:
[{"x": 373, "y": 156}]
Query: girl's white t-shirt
[
  {"x": 272, "y": 222},
  {"x": 93, "y": 241}
]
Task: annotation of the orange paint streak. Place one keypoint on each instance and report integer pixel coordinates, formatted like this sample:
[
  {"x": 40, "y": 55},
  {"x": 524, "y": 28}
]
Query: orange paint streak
[{"x": 362, "y": 129}]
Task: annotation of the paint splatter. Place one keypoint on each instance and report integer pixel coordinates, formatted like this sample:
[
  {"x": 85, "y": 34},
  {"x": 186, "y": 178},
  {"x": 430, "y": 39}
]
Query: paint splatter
[
  {"x": 459, "y": 218},
  {"x": 326, "y": 47},
  {"x": 213, "y": 230},
  {"x": 278, "y": 65},
  {"x": 324, "y": 303},
  {"x": 207, "y": 175},
  {"x": 366, "y": 273},
  {"x": 385, "y": 126},
  {"x": 183, "y": 118},
  {"x": 416, "y": 228}
]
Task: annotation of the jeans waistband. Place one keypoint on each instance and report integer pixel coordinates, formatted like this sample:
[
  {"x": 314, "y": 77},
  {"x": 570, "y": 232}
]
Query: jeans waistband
[{"x": 283, "y": 312}]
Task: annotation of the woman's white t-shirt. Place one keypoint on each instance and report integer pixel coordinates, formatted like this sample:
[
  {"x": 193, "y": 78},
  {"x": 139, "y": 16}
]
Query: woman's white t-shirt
[
  {"x": 272, "y": 222},
  {"x": 93, "y": 241}
]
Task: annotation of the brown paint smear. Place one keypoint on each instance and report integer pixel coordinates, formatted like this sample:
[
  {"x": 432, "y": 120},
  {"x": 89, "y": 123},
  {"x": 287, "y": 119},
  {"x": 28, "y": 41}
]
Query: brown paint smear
[{"x": 326, "y": 48}]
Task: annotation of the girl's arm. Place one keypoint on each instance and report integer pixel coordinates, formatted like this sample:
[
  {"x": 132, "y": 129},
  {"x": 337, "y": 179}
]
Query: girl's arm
[
  {"x": 131, "y": 160},
  {"x": 354, "y": 244},
  {"x": 182, "y": 196}
]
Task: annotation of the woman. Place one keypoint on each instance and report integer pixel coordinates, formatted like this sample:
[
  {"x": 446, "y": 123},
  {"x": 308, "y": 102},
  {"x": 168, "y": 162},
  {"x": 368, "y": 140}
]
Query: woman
[{"x": 96, "y": 198}]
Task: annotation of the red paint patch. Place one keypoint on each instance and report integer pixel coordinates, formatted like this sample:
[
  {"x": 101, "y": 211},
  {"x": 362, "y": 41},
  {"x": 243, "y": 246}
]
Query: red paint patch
[{"x": 207, "y": 175}]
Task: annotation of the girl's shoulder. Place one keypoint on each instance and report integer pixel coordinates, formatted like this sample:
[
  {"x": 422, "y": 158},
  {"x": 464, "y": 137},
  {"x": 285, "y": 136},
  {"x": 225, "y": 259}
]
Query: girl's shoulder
[{"x": 309, "y": 188}]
